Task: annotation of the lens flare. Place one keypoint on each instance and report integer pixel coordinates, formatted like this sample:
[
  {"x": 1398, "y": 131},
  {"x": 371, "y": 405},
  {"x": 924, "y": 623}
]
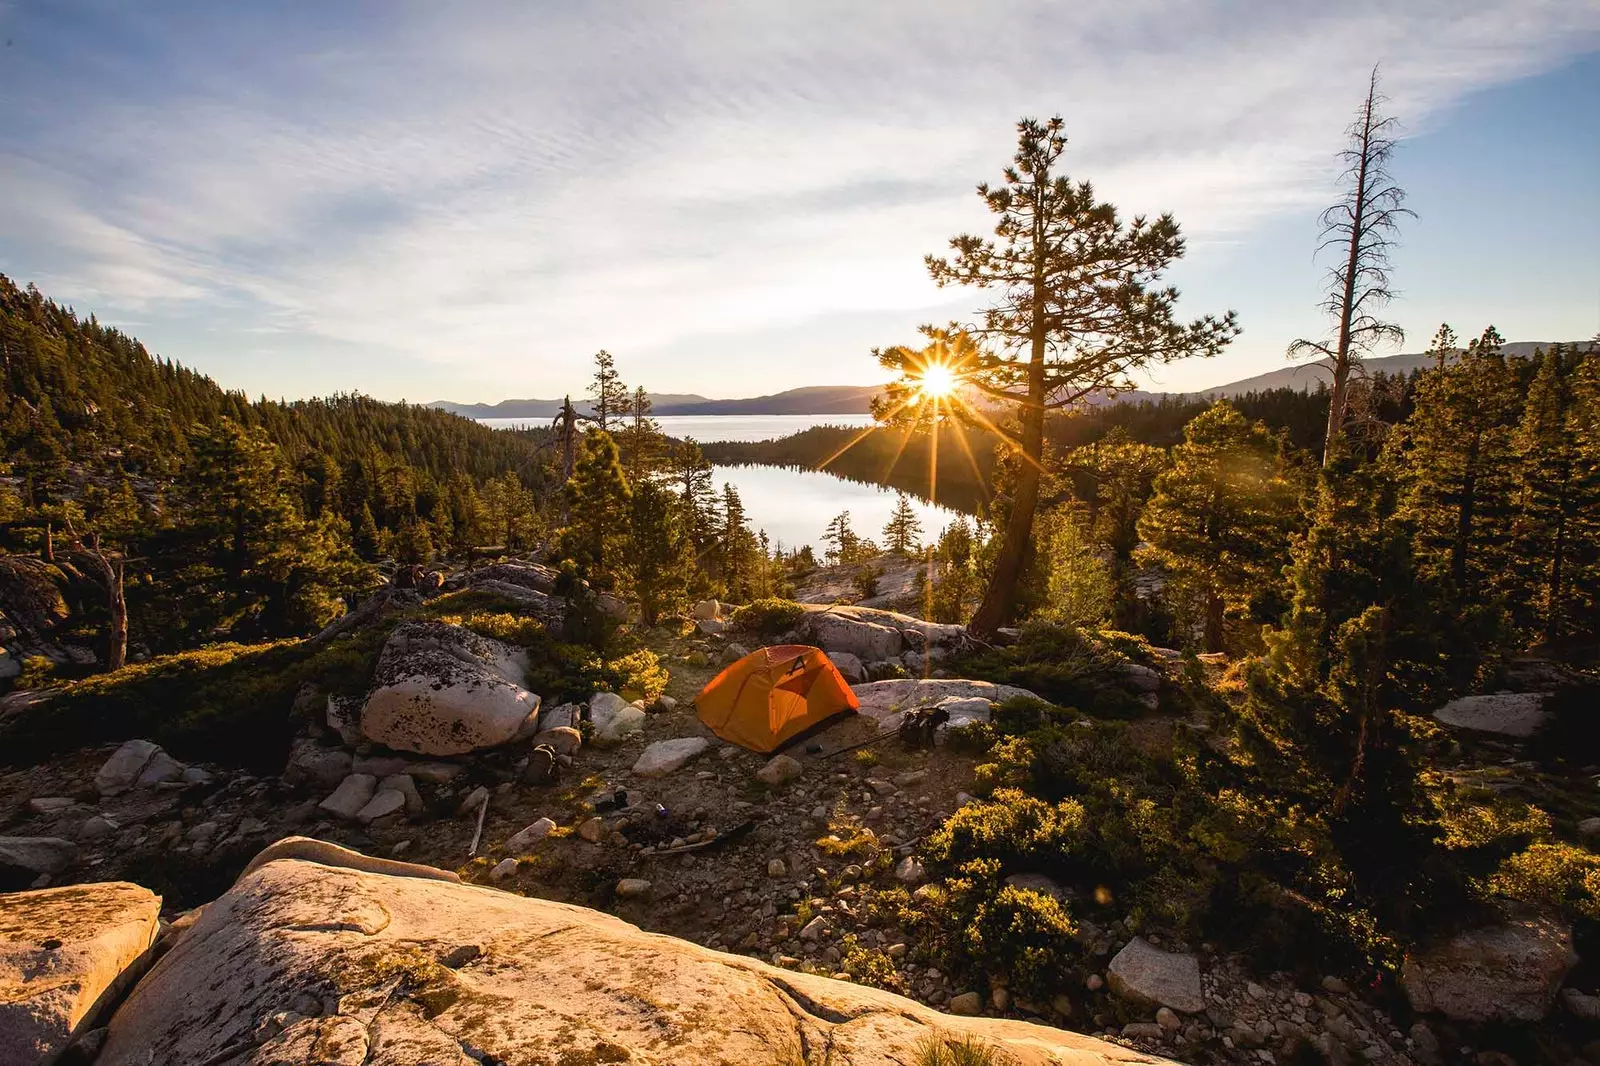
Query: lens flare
[{"x": 937, "y": 381}]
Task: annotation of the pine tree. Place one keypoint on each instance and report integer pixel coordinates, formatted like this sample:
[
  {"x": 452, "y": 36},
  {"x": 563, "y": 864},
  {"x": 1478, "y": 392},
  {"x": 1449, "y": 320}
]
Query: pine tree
[
  {"x": 1455, "y": 458},
  {"x": 737, "y": 546},
  {"x": 1080, "y": 588},
  {"x": 1361, "y": 228},
  {"x": 953, "y": 583},
  {"x": 660, "y": 556},
  {"x": 249, "y": 563},
  {"x": 692, "y": 474},
  {"x": 598, "y": 495},
  {"x": 641, "y": 440},
  {"x": 1219, "y": 519},
  {"x": 364, "y": 537},
  {"x": 412, "y": 543},
  {"x": 840, "y": 539},
  {"x": 608, "y": 395},
  {"x": 1076, "y": 312},
  {"x": 901, "y": 534},
  {"x": 510, "y": 511},
  {"x": 1555, "y": 492}
]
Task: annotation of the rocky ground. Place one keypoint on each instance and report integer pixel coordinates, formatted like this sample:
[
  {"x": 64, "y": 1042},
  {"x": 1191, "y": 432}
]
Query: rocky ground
[{"x": 792, "y": 861}]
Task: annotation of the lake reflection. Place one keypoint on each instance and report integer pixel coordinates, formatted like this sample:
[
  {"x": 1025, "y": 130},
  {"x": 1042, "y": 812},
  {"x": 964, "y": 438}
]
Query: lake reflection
[{"x": 795, "y": 506}]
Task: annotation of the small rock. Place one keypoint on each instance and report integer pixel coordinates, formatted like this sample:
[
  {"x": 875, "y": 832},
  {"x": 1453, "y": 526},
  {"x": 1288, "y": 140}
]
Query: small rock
[
  {"x": 38, "y": 855},
  {"x": 593, "y": 830},
  {"x": 1335, "y": 985},
  {"x": 49, "y": 804},
  {"x": 1094, "y": 982},
  {"x": 97, "y": 827},
  {"x": 1147, "y": 974},
  {"x": 1062, "y": 1005},
  {"x": 667, "y": 756},
  {"x": 776, "y": 868},
  {"x": 382, "y": 804},
  {"x": 909, "y": 778},
  {"x": 530, "y": 835},
  {"x": 882, "y": 788},
  {"x": 1143, "y": 1031},
  {"x": 633, "y": 888},
  {"x": 815, "y": 929},
  {"x": 1581, "y": 1005},
  {"x": 403, "y": 784},
  {"x": 967, "y": 1004},
  {"x": 121, "y": 772},
  {"x": 475, "y": 799},
  {"x": 910, "y": 871},
  {"x": 503, "y": 869},
  {"x": 1168, "y": 1020},
  {"x": 780, "y": 770},
  {"x": 353, "y": 793}
]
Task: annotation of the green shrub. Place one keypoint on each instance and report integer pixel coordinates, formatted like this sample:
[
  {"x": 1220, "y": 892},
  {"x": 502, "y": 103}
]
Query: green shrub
[
  {"x": 1556, "y": 875},
  {"x": 1013, "y": 828},
  {"x": 225, "y": 703},
  {"x": 1068, "y": 666},
  {"x": 769, "y": 619}
]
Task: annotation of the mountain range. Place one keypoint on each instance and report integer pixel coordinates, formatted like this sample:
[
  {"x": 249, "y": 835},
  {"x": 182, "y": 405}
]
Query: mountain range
[{"x": 857, "y": 399}]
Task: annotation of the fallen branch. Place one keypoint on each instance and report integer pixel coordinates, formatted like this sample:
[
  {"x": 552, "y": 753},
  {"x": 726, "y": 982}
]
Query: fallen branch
[
  {"x": 477, "y": 835},
  {"x": 721, "y": 838}
]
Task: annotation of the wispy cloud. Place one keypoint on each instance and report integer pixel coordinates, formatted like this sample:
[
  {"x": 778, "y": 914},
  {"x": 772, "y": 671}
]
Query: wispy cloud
[{"x": 498, "y": 192}]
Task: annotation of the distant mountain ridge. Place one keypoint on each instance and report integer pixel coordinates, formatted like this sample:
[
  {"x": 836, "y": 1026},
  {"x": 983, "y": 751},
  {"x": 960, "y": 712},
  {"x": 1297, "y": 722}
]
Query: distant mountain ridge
[
  {"x": 1306, "y": 376},
  {"x": 810, "y": 400},
  {"x": 857, "y": 399}
]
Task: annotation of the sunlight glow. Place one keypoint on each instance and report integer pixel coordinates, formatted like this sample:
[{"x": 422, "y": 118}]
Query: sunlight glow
[{"x": 937, "y": 381}]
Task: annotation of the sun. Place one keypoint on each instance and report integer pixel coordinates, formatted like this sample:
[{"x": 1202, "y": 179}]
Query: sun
[{"x": 937, "y": 381}]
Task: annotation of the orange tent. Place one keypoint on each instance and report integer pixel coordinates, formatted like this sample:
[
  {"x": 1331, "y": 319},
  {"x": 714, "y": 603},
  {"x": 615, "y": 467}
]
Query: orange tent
[{"x": 771, "y": 696}]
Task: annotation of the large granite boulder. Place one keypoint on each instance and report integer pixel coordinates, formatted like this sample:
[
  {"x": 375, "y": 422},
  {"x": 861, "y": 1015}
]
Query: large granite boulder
[
  {"x": 1502, "y": 973},
  {"x": 444, "y": 690},
  {"x": 400, "y": 970},
  {"x": 868, "y": 640},
  {"x": 65, "y": 954}
]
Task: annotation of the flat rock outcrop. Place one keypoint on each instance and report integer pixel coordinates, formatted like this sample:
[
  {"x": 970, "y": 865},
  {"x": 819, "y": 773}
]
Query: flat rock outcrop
[
  {"x": 66, "y": 953},
  {"x": 1502, "y": 973},
  {"x": 444, "y": 690},
  {"x": 873, "y": 635},
  {"x": 884, "y": 699},
  {"x": 302, "y": 962},
  {"x": 1511, "y": 714}
]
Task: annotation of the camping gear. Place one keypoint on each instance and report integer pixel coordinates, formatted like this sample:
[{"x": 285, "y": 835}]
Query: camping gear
[
  {"x": 918, "y": 726},
  {"x": 773, "y": 695}
]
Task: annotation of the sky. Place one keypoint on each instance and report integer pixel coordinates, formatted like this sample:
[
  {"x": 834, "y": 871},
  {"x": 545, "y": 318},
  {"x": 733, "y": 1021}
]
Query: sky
[{"x": 466, "y": 201}]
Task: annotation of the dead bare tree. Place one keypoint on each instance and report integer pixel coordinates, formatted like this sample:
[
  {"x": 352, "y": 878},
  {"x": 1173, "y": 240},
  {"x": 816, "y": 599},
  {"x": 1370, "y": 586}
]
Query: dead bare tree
[
  {"x": 117, "y": 630},
  {"x": 1362, "y": 226}
]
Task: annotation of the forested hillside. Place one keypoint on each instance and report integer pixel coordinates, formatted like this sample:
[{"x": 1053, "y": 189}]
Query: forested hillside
[{"x": 238, "y": 516}]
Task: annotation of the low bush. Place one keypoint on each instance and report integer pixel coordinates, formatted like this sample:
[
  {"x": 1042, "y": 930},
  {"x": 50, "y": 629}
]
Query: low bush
[
  {"x": 1068, "y": 666},
  {"x": 769, "y": 618}
]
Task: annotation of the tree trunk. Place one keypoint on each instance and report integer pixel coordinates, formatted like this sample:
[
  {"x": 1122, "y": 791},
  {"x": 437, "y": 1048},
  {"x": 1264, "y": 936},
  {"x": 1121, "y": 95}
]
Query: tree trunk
[
  {"x": 1000, "y": 599},
  {"x": 117, "y": 634},
  {"x": 1339, "y": 397},
  {"x": 1215, "y": 631}
]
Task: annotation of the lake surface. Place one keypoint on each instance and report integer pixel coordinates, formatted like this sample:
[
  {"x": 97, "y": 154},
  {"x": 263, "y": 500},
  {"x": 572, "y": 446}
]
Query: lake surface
[
  {"x": 793, "y": 506},
  {"x": 709, "y": 428}
]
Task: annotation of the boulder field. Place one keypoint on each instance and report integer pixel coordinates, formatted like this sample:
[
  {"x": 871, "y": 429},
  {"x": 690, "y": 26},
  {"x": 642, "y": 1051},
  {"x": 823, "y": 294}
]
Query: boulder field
[{"x": 315, "y": 960}]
